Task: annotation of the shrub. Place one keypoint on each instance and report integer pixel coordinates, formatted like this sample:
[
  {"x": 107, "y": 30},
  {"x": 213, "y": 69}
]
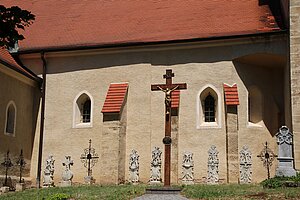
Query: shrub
[{"x": 277, "y": 182}]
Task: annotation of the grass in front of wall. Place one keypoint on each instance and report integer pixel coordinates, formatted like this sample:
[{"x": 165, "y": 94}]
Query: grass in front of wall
[
  {"x": 126, "y": 192},
  {"x": 93, "y": 192},
  {"x": 235, "y": 191}
]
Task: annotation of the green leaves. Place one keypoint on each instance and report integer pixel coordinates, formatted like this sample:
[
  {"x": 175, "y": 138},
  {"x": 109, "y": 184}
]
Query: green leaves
[{"x": 11, "y": 21}]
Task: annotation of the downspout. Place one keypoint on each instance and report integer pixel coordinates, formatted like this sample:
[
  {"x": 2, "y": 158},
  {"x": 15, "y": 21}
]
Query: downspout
[{"x": 40, "y": 153}]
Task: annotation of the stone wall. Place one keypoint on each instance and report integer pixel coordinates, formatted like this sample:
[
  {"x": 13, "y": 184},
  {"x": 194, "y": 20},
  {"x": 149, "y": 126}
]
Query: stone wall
[{"x": 295, "y": 78}]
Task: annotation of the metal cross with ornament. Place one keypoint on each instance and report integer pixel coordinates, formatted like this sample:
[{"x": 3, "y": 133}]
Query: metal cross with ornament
[
  {"x": 267, "y": 156},
  {"x": 89, "y": 158},
  {"x": 7, "y": 164},
  {"x": 21, "y": 163}
]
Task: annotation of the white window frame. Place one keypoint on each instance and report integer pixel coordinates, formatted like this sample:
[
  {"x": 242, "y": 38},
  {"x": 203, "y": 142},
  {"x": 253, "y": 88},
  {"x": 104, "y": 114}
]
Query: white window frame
[
  {"x": 200, "y": 123},
  {"x": 76, "y": 112},
  {"x": 15, "y": 119}
]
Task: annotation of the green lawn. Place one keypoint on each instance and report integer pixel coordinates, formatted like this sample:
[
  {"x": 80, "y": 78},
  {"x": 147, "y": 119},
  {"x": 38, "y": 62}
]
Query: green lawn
[
  {"x": 235, "y": 191},
  {"x": 232, "y": 191},
  {"x": 79, "y": 193}
]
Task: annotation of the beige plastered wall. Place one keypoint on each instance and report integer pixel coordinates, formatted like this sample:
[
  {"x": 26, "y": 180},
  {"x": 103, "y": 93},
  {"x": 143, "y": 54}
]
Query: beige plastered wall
[
  {"x": 24, "y": 92},
  {"x": 70, "y": 73}
]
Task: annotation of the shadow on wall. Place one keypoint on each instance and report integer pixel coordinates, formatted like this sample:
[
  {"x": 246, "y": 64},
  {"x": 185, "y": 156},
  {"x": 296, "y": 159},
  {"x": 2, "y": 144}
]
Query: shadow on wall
[
  {"x": 155, "y": 56},
  {"x": 263, "y": 76},
  {"x": 35, "y": 117}
]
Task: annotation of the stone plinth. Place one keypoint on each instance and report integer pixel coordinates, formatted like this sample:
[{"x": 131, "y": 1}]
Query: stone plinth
[
  {"x": 4, "y": 189},
  {"x": 89, "y": 180},
  {"x": 65, "y": 183},
  {"x": 163, "y": 190},
  {"x": 20, "y": 187}
]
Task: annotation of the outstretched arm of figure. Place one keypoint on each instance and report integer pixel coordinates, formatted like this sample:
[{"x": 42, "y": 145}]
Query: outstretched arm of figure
[
  {"x": 161, "y": 89},
  {"x": 174, "y": 88}
]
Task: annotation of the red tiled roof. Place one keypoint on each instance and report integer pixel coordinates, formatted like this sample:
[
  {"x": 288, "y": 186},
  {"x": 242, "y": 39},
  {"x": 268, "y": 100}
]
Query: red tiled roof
[
  {"x": 8, "y": 60},
  {"x": 231, "y": 94},
  {"x": 115, "y": 98},
  {"x": 73, "y": 23},
  {"x": 175, "y": 95}
]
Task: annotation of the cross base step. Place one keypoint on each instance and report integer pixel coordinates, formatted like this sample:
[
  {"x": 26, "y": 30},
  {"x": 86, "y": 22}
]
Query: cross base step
[{"x": 163, "y": 190}]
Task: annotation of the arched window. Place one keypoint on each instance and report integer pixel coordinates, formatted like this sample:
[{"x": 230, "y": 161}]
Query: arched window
[
  {"x": 11, "y": 115},
  {"x": 86, "y": 111},
  {"x": 82, "y": 110},
  {"x": 208, "y": 107}
]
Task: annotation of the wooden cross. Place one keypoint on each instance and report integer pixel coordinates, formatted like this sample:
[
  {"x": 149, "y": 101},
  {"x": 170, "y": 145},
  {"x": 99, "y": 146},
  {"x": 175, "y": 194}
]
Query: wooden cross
[{"x": 168, "y": 88}]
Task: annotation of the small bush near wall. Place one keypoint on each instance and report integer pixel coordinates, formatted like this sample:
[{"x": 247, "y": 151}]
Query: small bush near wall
[{"x": 277, "y": 182}]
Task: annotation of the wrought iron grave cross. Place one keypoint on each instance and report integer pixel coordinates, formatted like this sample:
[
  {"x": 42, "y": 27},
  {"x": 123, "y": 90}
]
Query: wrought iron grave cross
[
  {"x": 89, "y": 158},
  {"x": 267, "y": 156},
  {"x": 21, "y": 162},
  {"x": 168, "y": 88},
  {"x": 7, "y": 164}
]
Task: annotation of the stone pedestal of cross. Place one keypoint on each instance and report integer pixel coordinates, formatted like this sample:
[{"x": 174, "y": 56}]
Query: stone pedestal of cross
[{"x": 168, "y": 88}]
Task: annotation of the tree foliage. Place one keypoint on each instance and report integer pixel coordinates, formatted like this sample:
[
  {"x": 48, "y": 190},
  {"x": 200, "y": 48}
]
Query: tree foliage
[{"x": 11, "y": 21}]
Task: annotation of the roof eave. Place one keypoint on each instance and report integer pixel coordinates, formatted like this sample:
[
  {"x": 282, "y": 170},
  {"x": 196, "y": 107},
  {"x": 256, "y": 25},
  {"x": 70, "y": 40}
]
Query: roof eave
[
  {"x": 34, "y": 78},
  {"x": 137, "y": 44}
]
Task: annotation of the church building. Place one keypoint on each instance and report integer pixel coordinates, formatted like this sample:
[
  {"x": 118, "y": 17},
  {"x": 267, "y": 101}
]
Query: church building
[{"x": 85, "y": 68}]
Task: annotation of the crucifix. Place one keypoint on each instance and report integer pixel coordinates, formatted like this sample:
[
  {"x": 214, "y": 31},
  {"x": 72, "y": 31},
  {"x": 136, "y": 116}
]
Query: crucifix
[{"x": 168, "y": 88}]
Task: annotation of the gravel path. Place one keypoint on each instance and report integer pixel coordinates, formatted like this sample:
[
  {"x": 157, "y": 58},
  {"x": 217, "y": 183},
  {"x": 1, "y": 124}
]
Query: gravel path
[{"x": 161, "y": 197}]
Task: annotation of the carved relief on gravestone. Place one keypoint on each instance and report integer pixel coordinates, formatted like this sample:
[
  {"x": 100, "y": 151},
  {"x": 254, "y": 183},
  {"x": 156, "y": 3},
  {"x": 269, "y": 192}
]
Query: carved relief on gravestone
[
  {"x": 188, "y": 168},
  {"x": 285, "y": 154},
  {"x": 134, "y": 167},
  {"x": 245, "y": 165},
  {"x": 156, "y": 166},
  {"x": 67, "y": 174},
  {"x": 49, "y": 172},
  {"x": 213, "y": 166}
]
